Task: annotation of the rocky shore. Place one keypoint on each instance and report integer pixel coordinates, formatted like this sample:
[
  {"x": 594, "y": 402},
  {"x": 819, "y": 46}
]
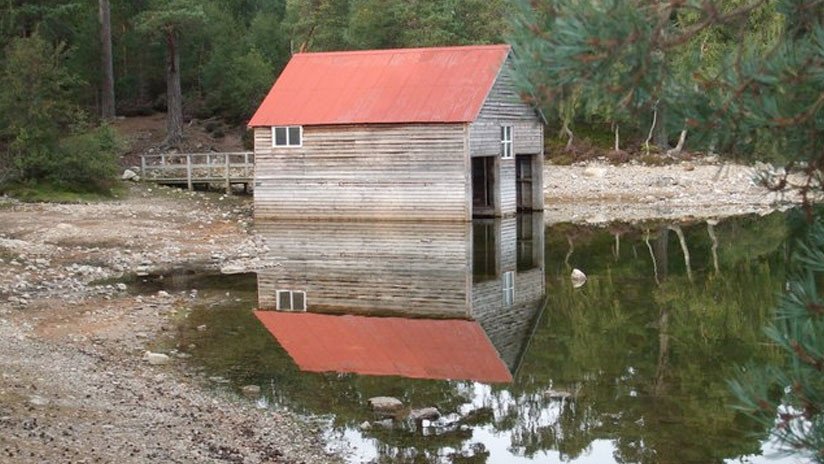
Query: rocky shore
[
  {"x": 75, "y": 383},
  {"x": 599, "y": 193}
]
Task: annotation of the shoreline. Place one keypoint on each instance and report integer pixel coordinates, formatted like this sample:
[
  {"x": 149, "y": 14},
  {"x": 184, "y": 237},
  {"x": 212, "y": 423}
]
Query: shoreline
[{"x": 75, "y": 384}]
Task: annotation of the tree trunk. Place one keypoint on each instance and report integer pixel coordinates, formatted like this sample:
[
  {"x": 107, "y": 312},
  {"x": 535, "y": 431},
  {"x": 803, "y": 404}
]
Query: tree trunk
[
  {"x": 678, "y": 148},
  {"x": 107, "y": 91},
  {"x": 651, "y": 128},
  {"x": 661, "y": 249},
  {"x": 570, "y": 136},
  {"x": 174, "y": 97},
  {"x": 661, "y": 137},
  {"x": 683, "y": 241},
  {"x": 617, "y": 139}
]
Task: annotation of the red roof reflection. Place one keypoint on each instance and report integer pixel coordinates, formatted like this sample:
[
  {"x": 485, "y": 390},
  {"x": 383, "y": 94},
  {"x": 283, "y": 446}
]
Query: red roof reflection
[{"x": 416, "y": 348}]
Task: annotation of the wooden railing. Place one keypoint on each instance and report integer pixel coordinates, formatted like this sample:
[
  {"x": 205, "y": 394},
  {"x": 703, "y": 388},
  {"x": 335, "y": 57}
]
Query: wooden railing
[{"x": 199, "y": 168}]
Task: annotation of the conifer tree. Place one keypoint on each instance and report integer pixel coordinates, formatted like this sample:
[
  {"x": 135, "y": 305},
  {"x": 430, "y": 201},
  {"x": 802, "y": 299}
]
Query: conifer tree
[{"x": 737, "y": 90}]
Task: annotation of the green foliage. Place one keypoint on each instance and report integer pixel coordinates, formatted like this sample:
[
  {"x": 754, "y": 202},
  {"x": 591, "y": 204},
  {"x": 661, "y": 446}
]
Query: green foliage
[
  {"x": 740, "y": 77},
  {"x": 743, "y": 78},
  {"x": 36, "y": 111},
  {"x": 796, "y": 389},
  {"x": 164, "y": 16},
  {"x": 236, "y": 94}
]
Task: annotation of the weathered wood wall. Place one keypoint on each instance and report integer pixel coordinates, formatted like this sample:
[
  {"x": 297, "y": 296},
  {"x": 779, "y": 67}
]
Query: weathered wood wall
[
  {"x": 403, "y": 269},
  {"x": 502, "y": 107},
  {"x": 509, "y": 327},
  {"x": 383, "y": 172}
]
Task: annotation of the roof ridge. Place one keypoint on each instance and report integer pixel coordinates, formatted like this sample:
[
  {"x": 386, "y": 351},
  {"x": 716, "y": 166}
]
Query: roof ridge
[{"x": 406, "y": 50}]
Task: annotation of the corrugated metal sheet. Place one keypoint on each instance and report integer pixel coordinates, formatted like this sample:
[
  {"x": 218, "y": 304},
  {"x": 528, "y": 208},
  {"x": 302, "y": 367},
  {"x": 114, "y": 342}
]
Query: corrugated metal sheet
[
  {"x": 417, "y": 348},
  {"x": 424, "y": 85}
]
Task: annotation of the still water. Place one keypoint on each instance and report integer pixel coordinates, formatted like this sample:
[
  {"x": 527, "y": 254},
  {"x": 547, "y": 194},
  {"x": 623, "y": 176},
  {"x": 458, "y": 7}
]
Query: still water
[{"x": 482, "y": 322}]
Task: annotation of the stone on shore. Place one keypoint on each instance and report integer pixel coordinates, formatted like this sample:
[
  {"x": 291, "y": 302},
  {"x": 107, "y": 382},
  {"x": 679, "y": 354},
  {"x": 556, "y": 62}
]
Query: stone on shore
[
  {"x": 156, "y": 359},
  {"x": 385, "y": 404}
]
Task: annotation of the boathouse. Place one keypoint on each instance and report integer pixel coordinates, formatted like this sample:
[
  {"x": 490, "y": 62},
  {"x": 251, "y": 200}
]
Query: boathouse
[{"x": 406, "y": 134}]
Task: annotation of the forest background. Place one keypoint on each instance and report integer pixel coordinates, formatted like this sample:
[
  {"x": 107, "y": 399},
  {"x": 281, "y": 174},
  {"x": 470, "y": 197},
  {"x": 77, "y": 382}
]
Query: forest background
[{"x": 627, "y": 79}]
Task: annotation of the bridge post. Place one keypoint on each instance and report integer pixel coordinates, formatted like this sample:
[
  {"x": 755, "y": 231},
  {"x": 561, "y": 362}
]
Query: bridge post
[
  {"x": 228, "y": 184},
  {"x": 189, "y": 171}
]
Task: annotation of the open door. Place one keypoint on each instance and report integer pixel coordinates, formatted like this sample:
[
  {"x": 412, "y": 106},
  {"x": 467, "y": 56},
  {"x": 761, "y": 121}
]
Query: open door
[
  {"x": 483, "y": 186},
  {"x": 523, "y": 182}
]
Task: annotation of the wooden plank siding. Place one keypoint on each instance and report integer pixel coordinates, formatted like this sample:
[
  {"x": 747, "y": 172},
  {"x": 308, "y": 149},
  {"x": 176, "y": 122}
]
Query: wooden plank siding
[
  {"x": 375, "y": 172},
  {"x": 509, "y": 327},
  {"x": 383, "y": 268},
  {"x": 503, "y": 106}
]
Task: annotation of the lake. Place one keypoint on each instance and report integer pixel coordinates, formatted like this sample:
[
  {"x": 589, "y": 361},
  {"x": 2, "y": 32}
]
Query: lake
[{"x": 483, "y": 322}]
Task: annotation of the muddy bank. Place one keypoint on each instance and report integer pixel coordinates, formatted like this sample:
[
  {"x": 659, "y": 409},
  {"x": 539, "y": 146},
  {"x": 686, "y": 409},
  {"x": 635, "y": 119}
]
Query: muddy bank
[
  {"x": 598, "y": 193},
  {"x": 75, "y": 386}
]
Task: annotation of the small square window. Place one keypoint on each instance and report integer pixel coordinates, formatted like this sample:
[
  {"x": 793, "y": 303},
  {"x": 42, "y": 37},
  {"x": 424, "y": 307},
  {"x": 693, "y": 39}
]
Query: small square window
[
  {"x": 291, "y": 300},
  {"x": 287, "y": 136}
]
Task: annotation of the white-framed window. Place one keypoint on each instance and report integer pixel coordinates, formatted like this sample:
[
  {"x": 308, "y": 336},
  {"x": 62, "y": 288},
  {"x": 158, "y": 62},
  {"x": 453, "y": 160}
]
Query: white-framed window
[
  {"x": 291, "y": 300},
  {"x": 287, "y": 136},
  {"x": 506, "y": 142},
  {"x": 509, "y": 288}
]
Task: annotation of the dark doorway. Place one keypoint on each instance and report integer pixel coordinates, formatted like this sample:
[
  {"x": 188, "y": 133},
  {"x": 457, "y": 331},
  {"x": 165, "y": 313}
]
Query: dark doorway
[
  {"x": 483, "y": 186},
  {"x": 523, "y": 182},
  {"x": 484, "y": 250}
]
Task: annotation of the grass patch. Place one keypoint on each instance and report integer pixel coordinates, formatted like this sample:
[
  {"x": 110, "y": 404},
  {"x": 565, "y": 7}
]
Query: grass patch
[{"x": 50, "y": 193}]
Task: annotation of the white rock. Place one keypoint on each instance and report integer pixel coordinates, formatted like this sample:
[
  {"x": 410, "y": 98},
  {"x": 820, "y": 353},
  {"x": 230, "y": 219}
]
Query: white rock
[
  {"x": 128, "y": 174},
  {"x": 156, "y": 359},
  {"x": 386, "y": 404},
  {"x": 39, "y": 401},
  {"x": 121, "y": 286},
  {"x": 251, "y": 391},
  {"x": 578, "y": 278}
]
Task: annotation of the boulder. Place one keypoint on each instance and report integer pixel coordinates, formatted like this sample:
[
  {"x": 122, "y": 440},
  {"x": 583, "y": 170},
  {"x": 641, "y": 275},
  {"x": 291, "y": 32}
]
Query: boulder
[
  {"x": 578, "y": 278},
  {"x": 385, "y": 404},
  {"x": 128, "y": 174}
]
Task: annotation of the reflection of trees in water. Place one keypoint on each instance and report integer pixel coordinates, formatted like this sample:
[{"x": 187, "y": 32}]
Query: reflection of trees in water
[
  {"x": 644, "y": 353},
  {"x": 651, "y": 357}
]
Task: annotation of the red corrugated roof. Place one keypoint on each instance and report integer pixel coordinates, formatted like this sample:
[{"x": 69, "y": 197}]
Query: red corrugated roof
[
  {"x": 424, "y": 85},
  {"x": 417, "y": 348}
]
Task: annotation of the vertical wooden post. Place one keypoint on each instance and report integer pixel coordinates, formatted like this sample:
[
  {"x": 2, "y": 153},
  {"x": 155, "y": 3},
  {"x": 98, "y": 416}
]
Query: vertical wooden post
[
  {"x": 228, "y": 184},
  {"x": 143, "y": 166},
  {"x": 189, "y": 172},
  {"x": 246, "y": 165}
]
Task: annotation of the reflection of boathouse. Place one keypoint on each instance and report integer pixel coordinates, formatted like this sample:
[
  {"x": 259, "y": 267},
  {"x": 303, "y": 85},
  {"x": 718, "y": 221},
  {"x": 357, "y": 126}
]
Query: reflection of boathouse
[{"x": 444, "y": 291}]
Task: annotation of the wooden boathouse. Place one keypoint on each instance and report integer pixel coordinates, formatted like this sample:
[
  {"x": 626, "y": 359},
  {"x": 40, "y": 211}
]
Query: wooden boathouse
[{"x": 405, "y": 134}]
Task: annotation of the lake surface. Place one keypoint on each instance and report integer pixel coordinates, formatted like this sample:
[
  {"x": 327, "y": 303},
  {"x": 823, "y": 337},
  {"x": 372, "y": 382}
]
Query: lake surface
[{"x": 630, "y": 367}]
